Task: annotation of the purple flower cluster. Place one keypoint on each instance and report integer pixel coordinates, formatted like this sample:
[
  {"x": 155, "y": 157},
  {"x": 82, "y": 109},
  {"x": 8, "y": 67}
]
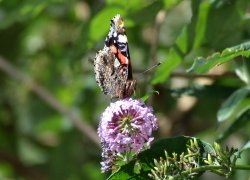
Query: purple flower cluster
[{"x": 125, "y": 126}]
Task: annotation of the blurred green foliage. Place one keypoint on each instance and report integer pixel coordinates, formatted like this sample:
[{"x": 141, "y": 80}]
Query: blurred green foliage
[{"x": 54, "y": 43}]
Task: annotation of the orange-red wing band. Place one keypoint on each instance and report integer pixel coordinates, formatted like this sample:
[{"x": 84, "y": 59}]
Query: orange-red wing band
[{"x": 122, "y": 58}]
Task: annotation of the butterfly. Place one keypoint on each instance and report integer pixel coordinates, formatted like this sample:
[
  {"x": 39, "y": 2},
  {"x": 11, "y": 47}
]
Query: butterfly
[{"x": 112, "y": 64}]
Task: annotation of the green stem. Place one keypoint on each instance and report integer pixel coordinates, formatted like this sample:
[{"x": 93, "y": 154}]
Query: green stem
[
  {"x": 212, "y": 168},
  {"x": 242, "y": 167},
  {"x": 200, "y": 169}
]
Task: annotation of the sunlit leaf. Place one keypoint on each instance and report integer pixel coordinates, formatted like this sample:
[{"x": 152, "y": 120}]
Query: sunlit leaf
[
  {"x": 245, "y": 147},
  {"x": 243, "y": 69},
  {"x": 201, "y": 26},
  {"x": 231, "y": 104},
  {"x": 146, "y": 96},
  {"x": 130, "y": 6},
  {"x": 170, "y": 3},
  {"x": 203, "y": 65}
]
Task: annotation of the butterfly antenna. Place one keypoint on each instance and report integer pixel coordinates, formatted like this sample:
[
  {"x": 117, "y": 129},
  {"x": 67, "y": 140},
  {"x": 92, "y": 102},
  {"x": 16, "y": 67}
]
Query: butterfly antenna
[{"x": 149, "y": 69}]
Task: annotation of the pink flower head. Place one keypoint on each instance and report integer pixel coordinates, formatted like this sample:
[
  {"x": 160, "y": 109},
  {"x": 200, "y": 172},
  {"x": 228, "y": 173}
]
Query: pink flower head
[{"x": 127, "y": 125}]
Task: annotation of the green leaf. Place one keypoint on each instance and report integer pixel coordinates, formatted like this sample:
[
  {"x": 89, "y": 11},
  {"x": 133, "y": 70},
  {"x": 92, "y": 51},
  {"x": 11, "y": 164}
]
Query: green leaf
[
  {"x": 203, "y": 65},
  {"x": 171, "y": 145},
  {"x": 132, "y": 6},
  {"x": 243, "y": 148},
  {"x": 168, "y": 4},
  {"x": 153, "y": 8},
  {"x": 177, "y": 52},
  {"x": 240, "y": 122},
  {"x": 175, "y": 57},
  {"x": 99, "y": 26},
  {"x": 146, "y": 96},
  {"x": 53, "y": 124},
  {"x": 243, "y": 69},
  {"x": 220, "y": 31},
  {"x": 6, "y": 170},
  {"x": 200, "y": 32},
  {"x": 201, "y": 25},
  {"x": 231, "y": 104},
  {"x": 25, "y": 11}
]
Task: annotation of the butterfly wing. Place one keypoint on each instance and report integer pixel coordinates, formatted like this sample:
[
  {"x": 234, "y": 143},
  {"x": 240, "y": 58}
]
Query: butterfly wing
[
  {"x": 118, "y": 43},
  {"x": 112, "y": 64}
]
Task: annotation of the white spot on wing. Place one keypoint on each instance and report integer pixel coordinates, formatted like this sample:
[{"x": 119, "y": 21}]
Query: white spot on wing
[
  {"x": 122, "y": 38},
  {"x": 116, "y": 63}
]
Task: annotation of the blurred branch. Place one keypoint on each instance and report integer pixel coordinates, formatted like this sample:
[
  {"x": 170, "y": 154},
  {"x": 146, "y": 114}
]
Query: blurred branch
[
  {"x": 27, "y": 172},
  {"x": 83, "y": 127},
  {"x": 160, "y": 18}
]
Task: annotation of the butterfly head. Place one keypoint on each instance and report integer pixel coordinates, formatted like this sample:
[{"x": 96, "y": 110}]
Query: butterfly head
[{"x": 118, "y": 25}]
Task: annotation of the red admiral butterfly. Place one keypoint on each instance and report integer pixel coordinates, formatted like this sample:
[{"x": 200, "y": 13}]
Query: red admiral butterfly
[{"x": 112, "y": 64}]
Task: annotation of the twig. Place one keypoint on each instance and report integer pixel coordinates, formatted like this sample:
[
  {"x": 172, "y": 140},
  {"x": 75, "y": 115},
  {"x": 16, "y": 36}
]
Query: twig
[
  {"x": 160, "y": 17},
  {"x": 44, "y": 94},
  {"x": 242, "y": 167}
]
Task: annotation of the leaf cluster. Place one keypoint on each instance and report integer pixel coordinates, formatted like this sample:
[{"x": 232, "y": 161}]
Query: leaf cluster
[{"x": 168, "y": 162}]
